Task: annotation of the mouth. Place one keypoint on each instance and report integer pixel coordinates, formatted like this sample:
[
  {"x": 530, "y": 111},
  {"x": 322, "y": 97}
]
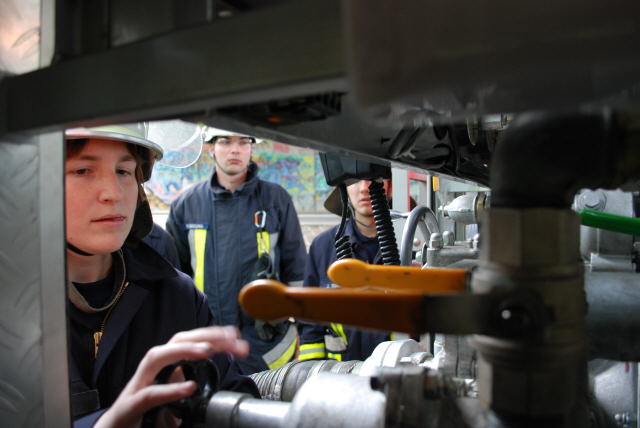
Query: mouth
[{"x": 110, "y": 219}]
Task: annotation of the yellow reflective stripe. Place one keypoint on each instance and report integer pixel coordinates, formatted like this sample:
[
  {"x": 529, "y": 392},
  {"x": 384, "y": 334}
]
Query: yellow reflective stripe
[
  {"x": 311, "y": 351},
  {"x": 392, "y": 336},
  {"x": 263, "y": 243},
  {"x": 312, "y": 356},
  {"x": 282, "y": 353},
  {"x": 284, "y": 358},
  {"x": 339, "y": 330},
  {"x": 200, "y": 241},
  {"x": 344, "y": 336},
  {"x": 308, "y": 346},
  {"x": 334, "y": 356}
]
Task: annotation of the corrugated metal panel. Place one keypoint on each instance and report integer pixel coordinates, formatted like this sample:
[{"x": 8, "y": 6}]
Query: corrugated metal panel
[{"x": 33, "y": 364}]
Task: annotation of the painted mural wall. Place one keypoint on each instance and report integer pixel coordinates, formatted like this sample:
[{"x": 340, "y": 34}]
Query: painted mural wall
[{"x": 296, "y": 169}]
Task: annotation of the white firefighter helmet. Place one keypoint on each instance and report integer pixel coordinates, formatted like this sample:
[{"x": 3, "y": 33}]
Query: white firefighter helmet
[
  {"x": 174, "y": 143},
  {"x": 210, "y": 134},
  {"x": 131, "y": 133}
]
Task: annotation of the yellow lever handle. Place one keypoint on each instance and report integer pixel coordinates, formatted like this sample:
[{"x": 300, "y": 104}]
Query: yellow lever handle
[
  {"x": 271, "y": 300},
  {"x": 352, "y": 273}
]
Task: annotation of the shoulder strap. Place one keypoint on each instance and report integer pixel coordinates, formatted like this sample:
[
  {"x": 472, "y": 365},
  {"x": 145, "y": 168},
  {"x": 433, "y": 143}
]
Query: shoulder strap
[{"x": 259, "y": 194}]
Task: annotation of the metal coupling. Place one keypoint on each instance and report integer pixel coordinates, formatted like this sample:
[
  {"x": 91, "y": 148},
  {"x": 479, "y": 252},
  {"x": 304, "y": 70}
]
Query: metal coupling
[{"x": 228, "y": 409}]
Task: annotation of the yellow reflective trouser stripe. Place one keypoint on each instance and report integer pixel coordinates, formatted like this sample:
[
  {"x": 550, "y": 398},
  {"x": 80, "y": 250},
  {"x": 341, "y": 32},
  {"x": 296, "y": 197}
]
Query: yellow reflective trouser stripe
[
  {"x": 284, "y": 359},
  {"x": 200, "y": 240},
  {"x": 283, "y": 351},
  {"x": 334, "y": 356},
  {"x": 262, "y": 240},
  {"x": 311, "y": 351},
  {"x": 337, "y": 328}
]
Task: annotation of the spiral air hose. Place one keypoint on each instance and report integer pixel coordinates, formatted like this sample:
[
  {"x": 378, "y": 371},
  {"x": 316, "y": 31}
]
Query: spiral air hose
[
  {"x": 384, "y": 227},
  {"x": 342, "y": 243}
]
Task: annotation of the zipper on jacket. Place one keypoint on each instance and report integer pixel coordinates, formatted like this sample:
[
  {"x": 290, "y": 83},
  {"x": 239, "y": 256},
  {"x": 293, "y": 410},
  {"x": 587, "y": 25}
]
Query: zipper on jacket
[{"x": 97, "y": 336}]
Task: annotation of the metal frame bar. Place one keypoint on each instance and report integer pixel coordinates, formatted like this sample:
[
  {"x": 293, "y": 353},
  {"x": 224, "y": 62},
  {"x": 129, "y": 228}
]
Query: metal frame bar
[
  {"x": 289, "y": 50},
  {"x": 53, "y": 293}
]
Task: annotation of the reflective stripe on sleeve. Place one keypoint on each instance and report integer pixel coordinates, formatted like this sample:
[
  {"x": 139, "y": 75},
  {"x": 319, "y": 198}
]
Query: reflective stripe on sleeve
[
  {"x": 295, "y": 283},
  {"x": 334, "y": 356},
  {"x": 337, "y": 328},
  {"x": 263, "y": 243},
  {"x": 312, "y": 351},
  {"x": 399, "y": 336},
  {"x": 283, "y": 351},
  {"x": 197, "y": 245}
]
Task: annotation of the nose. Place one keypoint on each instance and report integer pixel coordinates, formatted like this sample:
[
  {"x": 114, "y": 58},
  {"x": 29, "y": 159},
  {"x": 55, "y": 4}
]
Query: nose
[
  {"x": 235, "y": 147},
  {"x": 363, "y": 186},
  {"x": 110, "y": 188}
]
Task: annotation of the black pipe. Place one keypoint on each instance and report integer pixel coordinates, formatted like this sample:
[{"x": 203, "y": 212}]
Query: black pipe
[{"x": 542, "y": 159}]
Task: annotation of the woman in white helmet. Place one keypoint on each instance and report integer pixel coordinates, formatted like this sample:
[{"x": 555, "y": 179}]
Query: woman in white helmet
[{"x": 131, "y": 313}]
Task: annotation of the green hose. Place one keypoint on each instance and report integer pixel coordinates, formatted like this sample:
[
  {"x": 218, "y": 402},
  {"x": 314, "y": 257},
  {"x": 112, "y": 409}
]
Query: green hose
[{"x": 612, "y": 222}]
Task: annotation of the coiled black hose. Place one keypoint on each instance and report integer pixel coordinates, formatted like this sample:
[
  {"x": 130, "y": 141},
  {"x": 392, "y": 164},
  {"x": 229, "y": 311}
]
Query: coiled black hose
[
  {"x": 384, "y": 227},
  {"x": 342, "y": 242},
  {"x": 343, "y": 248}
]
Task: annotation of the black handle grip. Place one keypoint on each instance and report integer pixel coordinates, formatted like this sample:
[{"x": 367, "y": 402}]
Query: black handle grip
[{"x": 191, "y": 410}]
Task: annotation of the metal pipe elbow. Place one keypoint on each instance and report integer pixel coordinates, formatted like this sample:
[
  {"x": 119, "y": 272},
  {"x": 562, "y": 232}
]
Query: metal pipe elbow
[{"x": 544, "y": 158}]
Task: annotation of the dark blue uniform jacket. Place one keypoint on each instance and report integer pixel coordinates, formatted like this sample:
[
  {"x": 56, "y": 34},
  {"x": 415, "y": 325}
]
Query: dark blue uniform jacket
[
  {"x": 160, "y": 240},
  {"x": 159, "y": 302},
  {"x": 322, "y": 253}
]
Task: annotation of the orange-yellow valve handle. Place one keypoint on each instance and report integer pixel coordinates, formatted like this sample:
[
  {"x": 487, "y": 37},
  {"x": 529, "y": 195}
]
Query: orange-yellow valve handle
[
  {"x": 269, "y": 300},
  {"x": 352, "y": 273}
]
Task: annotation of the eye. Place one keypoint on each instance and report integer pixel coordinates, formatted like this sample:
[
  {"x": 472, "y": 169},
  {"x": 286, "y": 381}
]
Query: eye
[
  {"x": 80, "y": 171},
  {"x": 125, "y": 172}
]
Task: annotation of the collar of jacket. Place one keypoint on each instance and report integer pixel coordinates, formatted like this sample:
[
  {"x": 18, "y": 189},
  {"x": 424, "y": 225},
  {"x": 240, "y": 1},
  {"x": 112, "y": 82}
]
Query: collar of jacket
[
  {"x": 358, "y": 247},
  {"x": 246, "y": 187},
  {"x": 351, "y": 232},
  {"x": 145, "y": 265}
]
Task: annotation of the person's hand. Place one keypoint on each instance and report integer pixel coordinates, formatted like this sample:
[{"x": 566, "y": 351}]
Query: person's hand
[{"x": 142, "y": 394}]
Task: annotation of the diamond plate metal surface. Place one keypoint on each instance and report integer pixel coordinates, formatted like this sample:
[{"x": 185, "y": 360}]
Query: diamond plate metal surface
[{"x": 24, "y": 366}]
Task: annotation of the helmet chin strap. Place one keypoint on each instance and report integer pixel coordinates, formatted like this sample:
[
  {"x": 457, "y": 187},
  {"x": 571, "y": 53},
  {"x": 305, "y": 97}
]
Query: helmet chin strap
[
  {"x": 78, "y": 250},
  {"x": 352, "y": 211}
]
